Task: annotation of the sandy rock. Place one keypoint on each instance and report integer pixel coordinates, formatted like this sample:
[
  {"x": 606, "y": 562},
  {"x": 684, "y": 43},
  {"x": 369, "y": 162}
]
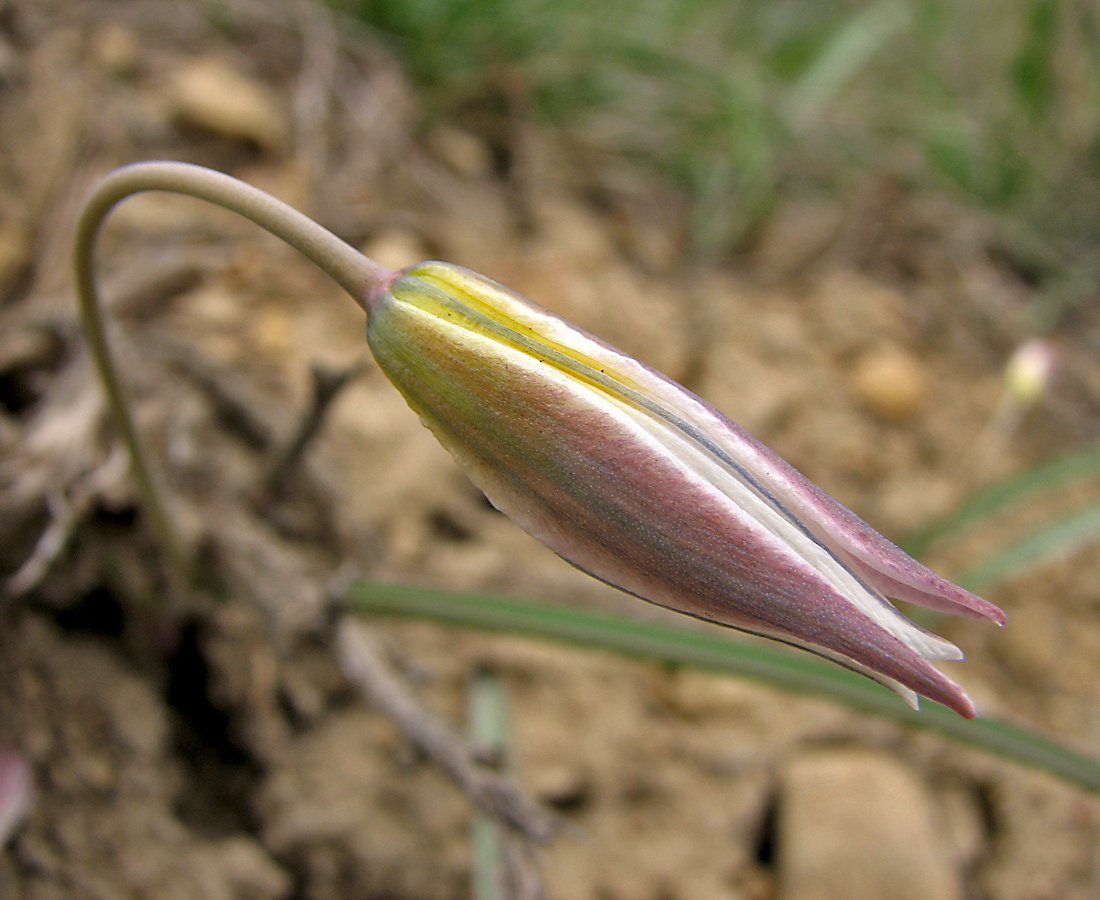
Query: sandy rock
[
  {"x": 110, "y": 737},
  {"x": 856, "y": 825},
  {"x": 209, "y": 95}
]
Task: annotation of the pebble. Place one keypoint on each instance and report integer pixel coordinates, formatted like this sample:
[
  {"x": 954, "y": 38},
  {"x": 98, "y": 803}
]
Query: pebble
[
  {"x": 117, "y": 50},
  {"x": 1034, "y": 649},
  {"x": 396, "y": 248},
  {"x": 571, "y": 230},
  {"x": 462, "y": 152},
  {"x": 850, "y": 312},
  {"x": 797, "y": 235},
  {"x": 15, "y": 254},
  {"x": 561, "y": 786},
  {"x": 703, "y": 695},
  {"x": 858, "y": 824},
  {"x": 251, "y": 871},
  {"x": 890, "y": 383},
  {"x": 212, "y": 96}
]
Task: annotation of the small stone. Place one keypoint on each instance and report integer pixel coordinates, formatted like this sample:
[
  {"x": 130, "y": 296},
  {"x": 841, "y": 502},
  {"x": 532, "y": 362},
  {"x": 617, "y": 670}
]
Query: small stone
[
  {"x": 15, "y": 254},
  {"x": 462, "y": 152},
  {"x": 702, "y": 695},
  {"x": 890, "y": 383},
  {"x": 117, "y": 50},
  {"x": 306, "y": 699},
  {"x": 11, "y": 63},
  {"x": 251, "y": 871},
  {"x": 850, "y": 312},
  {"x": 796, "y": 235},
  {"x": 209, "y": 95},
  {"x": 964, "y": 825},
  {"x": 396, "y": 248},
  {"x": 275, "y": 332},
  {"x": 95, "y": 770},
  {"x": 853, "y": 823},
  {"x": 1032, "y": 648},
  {"x": 562, "y": 787},
  {"x": 570, "y": 230}
]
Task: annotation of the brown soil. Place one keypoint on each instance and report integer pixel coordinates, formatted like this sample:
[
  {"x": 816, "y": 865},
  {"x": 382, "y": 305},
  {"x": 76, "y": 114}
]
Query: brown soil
[{"x": 210, "y": 748}]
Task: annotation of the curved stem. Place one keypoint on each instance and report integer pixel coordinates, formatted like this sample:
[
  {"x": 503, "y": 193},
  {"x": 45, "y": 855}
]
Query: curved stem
[{"x": 361, "y": 277}]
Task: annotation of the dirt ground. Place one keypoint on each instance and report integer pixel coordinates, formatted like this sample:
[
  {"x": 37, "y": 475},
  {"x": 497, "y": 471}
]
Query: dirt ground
[{"x": 211, "y": 748}]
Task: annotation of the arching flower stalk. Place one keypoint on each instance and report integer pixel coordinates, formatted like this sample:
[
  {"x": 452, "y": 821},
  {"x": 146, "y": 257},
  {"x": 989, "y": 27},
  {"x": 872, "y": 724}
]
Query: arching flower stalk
[{"x": 623, "y": 473}]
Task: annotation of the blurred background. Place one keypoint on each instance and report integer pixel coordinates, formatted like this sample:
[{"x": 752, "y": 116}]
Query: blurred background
[{"x": 868, "y": 232}]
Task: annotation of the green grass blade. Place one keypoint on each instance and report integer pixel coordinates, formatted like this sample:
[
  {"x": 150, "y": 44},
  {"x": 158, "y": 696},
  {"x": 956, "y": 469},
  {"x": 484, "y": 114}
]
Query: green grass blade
[
  {"x": 849, "y": 51},
  {"x": 1045, "y": 477},
  {"x": 1058, "y": 538},
  {"x": 719, "y": 651}
]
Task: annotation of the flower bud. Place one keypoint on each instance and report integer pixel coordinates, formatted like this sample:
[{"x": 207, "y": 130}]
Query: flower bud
[
  {"x": 1029, "y": 372},
  {"x": 640, "y": 483}
]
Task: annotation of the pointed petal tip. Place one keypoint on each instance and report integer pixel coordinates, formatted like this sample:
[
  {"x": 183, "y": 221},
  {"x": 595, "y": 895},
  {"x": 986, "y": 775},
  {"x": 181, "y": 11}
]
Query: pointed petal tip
[
  {"x": 967, "y": 710},
  {"x": 959, "y": 700},
  {"x": 979, "y": 607},
  {"x": 939, "y": 688},
  {"x": 898, "y": 576}
]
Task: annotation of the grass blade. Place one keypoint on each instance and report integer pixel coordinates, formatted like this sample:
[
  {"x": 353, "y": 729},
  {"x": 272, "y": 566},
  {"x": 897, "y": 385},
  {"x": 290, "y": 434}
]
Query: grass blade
[
  {"x": 1056, "y": 539},
  {"x": 1045, "y": 477},
  {"x": 848, "y": 52},
  {"x": 719, "y": 651}
]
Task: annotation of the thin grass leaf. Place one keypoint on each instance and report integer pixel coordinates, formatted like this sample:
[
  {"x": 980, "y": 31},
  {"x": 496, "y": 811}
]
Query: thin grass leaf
[
  {"x": 719, "y": 651},
  {"x": 1057, "y": 539},
  {"x": 984, "y": 505},
  {"x": 849, "y": 51}
]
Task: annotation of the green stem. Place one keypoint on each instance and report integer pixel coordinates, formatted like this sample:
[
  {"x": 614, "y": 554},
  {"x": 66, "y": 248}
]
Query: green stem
[
  {"x": 361, "y": 277},
  {"x": 488, "y": 731}
]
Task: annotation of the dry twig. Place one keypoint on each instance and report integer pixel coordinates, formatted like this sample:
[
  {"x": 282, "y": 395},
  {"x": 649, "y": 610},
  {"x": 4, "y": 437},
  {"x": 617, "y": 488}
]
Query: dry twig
[
  {"x": 327, "y": 384},
  {"x": 68, "y": 514},
  {"x": 363, "y": 663}
]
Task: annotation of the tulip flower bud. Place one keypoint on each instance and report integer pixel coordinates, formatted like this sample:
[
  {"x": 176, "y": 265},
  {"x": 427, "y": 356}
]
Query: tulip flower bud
[
  {"x": 640, "y": 483},
  {"x": 1029, "y": 372}
]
